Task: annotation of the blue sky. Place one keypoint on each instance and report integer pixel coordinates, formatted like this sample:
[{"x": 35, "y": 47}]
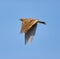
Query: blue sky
[{"x": 46, "y": 43}]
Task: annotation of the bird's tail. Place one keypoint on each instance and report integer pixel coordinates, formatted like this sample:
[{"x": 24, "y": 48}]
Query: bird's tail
[{"x": 41, "y": 22}]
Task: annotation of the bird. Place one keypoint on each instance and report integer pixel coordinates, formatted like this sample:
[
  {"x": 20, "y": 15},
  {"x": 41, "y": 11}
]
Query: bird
[{"x": 29, "y": 26}]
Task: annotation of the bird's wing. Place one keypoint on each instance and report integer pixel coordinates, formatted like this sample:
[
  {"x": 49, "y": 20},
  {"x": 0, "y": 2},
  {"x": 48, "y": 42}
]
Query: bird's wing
[
  {"x": 27, "y": 24},
  {"x": 29, "y": 35}
]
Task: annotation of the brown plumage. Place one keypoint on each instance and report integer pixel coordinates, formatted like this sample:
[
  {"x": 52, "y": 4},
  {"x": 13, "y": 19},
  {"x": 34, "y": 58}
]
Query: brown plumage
[{"x": 29, "y": 28}]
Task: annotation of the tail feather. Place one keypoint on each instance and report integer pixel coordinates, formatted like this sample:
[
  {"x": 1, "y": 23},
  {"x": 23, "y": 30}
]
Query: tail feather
[{"x": 41, "y": 22}]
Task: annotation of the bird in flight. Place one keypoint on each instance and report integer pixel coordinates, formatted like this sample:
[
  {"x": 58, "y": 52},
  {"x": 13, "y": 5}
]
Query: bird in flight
[{"x": 29, "y": 26}]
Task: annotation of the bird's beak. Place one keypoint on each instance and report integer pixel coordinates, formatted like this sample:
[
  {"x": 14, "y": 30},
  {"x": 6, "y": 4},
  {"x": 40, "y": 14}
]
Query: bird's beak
[{"x": 20, "y": 19}]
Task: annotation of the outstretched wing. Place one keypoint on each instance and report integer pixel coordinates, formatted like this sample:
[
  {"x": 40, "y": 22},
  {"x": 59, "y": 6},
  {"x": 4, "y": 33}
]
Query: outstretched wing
[{"x": 30, "y": 33}]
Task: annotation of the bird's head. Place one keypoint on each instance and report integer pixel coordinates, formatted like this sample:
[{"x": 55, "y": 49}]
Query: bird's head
[{"x": 21, "y": 19}]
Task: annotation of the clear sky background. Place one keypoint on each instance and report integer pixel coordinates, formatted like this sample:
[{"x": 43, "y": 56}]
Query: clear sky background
[{"x": 46, "y": 43}]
